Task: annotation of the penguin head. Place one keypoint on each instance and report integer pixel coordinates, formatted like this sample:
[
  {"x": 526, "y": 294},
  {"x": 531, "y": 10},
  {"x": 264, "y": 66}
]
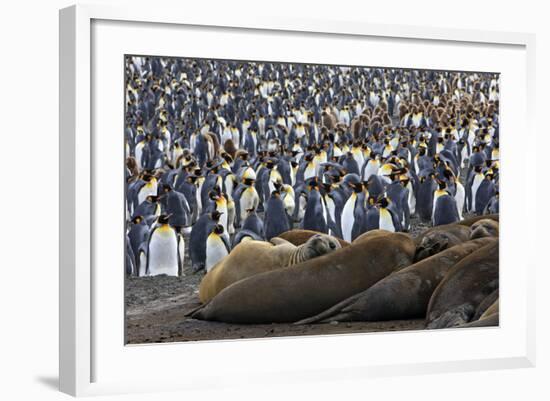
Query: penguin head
[
  {"x": 164, "y": 218},
  {"x": 327, "y": 187},
  {"x": 215, "y": 215},
  {"x": 383, "y": 202},
  {"x": 137, "y": 220},
  {"x": 217, "y": 229},
  {"x": 357, "y": 187}
]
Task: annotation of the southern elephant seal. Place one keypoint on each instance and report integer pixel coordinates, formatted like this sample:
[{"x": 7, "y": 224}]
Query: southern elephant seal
[
  {"x": 372, "y": 234},
  {"x": 491, "y": 310},
  {"x": 404, "y": 294},
  {"x": 293, "y": 293},
  {"x": 487, "y": 302},
  {"x": 468, "y": 222},
  {"x": 439, "y": 238},
  {"x": 253, "y": 257},
  {"x": 484, "y": 228},
  {"x": 457, "y": 297},
  {"x": 488, "y": 321},
  {"x": 298, "y": 237}
]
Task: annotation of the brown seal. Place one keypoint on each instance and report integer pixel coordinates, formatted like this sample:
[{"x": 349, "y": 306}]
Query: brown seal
[
  {"x": 468, "y": 222},
  {"x": 372, "y": 234},
  {"x": 485, "y": 304},
  {"x": 484, "y": 228},
  {"x": 440, "y": 238},
  {"x": 253, "y": 257},
  {"x": 402, "y": 295},
  {"x": 299, "y": 237},
  {"x": 491, "y": 310},
  {"x": 488, "y": 321},
  {"x": 457, "y": 297},
  {"x": 293, "y": 293}
]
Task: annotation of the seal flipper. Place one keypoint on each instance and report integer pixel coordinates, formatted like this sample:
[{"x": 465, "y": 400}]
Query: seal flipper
[
  {"x": 279, "y": 241},
  {"x": 195, "y": 313},
  {"x": 334, "y": 313}
]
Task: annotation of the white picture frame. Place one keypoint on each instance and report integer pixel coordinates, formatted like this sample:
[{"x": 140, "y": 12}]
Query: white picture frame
[{"x": 79, "y": 318}]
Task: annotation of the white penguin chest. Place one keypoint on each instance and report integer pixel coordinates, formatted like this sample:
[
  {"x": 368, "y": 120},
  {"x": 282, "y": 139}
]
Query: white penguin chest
[
  {"x": 475, "y": 186},
  {"x": 215, "y": 251},
  {"x": 248, "y": 198},
  {"x": 149, "y": 189},
  {"x": 163, "y": 252},
  {"x": 370, "y": 169},
  {"x": 385, "y": 221},
  {"x": 331, "y": 207},
  {"x": 310, "y": 171},
  {"x": 348, "y": 217}
]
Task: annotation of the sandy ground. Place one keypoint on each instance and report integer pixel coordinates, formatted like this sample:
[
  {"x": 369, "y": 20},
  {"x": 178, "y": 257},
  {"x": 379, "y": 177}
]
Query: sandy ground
[{"x": 155, "y": 309}]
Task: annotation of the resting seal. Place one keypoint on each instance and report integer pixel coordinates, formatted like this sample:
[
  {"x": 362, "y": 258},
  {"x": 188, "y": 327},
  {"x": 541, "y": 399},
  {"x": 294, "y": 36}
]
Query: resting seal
[
  {"x": 488, "y": 321},
  {"x": 299, "y": 237},
  {"x": 485, "y": 304},
  {"x": 457, "y": 297},
  {"x": 491, "y": 310},
  {"x": 440, "y": 238},
  {"x": 293, "y": 293},
  {"x": 372, "y": 234},
  {"x": 253, "y": 257},
  {"x": 484, "y": 228},
  {"x": 468, "y": 222},
  {"x": 402, "y": 295}
]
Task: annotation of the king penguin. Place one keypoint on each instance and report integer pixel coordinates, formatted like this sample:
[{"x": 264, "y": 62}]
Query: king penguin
[
  {"x": 217, "y": 247},
  {"x": 197, "y": 239},
  {"x": 445, "y": 210},
  {"x": 348, "y": 213},
  {"x": 315, "y": 216},
  {"x": 137, "y": 235},
  {"x": 275, "y": 220},
  {"x": 388, "y": 219},
  {"x": 163, "y": 250}
]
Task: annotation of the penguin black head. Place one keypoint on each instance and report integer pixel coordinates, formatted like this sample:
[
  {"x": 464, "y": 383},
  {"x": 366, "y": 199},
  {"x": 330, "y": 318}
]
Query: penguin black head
[
  {"x": 383, "y": 202},
  {"x": 214, "y": 195},
  {"x": 191, "y": 178},
  {"x": 215, "y": 215},
  {"x": 164, "y": 218},
  {"x": 218, "y": 229},
  {"x": 327, "y": 187},
  {"x": 313, "y": 184},
  {"x": 357, "y": 187},
  {"x": 442, "y": 185}
]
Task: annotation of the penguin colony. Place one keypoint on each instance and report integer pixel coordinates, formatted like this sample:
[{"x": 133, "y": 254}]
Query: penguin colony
[{"x": 220, "y": 152}]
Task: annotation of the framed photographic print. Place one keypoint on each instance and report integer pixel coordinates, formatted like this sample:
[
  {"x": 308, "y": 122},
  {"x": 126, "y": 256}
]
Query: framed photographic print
[{"x": 313, "y": 191}]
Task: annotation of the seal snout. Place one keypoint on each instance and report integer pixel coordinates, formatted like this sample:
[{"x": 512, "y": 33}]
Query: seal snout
[{"x": 322, "y": 244}]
